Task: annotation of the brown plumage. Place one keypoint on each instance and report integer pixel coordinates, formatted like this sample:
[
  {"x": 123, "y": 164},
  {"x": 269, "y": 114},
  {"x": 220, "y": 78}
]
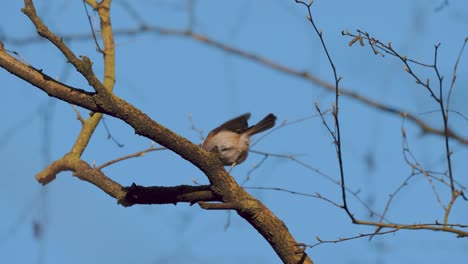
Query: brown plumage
[{"x": 231, "y": 140}]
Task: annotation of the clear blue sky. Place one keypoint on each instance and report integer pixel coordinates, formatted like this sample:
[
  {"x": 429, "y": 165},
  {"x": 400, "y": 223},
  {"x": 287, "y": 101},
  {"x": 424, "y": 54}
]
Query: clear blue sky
[{"x": 170, "y": 78}]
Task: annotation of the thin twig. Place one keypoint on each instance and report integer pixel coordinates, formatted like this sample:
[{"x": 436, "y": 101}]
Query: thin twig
[
  {"x": 438, "y": 98},
  {"x": 254, "y": 168},
  {"x": 454, "y": 74},
  {"x": 78, "y": 114},
  {"x": 193, "y": 127},
  {"x": 342, "y": 239},
  {"x": 316, "y": 195},
  {"x": 134, "y": 155},
  {"x": 415, "y": 165},
  {"x": 98, "y": 48},
  {"x": 23, "y": 59},
  {"x": 109, "y": 135},
  {"x": 293, "y": 158},
  {"x": 336, "y": 109}
]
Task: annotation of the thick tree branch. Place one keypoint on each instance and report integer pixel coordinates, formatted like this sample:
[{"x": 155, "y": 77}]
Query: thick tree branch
[
  {"x": 47, "y": 84},
  {"x": 218, "y": 206},
  {"x": 128, "y": 196},
  {"x": 164, "y": 195},
  {"x": 84, "y": 65},
  {"x": 222, "y": 184}
]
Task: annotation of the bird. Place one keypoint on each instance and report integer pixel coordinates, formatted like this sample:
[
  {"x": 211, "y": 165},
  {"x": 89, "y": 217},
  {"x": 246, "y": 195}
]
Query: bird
[{"x": 231, "y": 140}]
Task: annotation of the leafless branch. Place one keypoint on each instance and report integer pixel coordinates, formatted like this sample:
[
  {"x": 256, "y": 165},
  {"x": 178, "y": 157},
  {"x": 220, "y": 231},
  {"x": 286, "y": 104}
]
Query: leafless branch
[
  {"x": 336, "y": 133},
  {"x": 134, "y": 155}
]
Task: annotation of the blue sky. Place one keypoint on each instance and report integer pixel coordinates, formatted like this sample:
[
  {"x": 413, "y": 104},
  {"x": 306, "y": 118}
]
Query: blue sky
[{"x": 172, "y": 77}]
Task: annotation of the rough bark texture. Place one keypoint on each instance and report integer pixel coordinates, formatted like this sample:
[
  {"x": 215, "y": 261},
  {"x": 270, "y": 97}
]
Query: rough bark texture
[{"x": 222, "y": 189}]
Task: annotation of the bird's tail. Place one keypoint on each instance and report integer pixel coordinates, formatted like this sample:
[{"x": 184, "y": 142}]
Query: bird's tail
[{"x": 264, "y": 124}]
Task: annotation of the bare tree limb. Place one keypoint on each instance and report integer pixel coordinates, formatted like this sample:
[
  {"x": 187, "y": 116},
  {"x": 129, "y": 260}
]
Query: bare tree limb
[{"x": 222, "y": 185}]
